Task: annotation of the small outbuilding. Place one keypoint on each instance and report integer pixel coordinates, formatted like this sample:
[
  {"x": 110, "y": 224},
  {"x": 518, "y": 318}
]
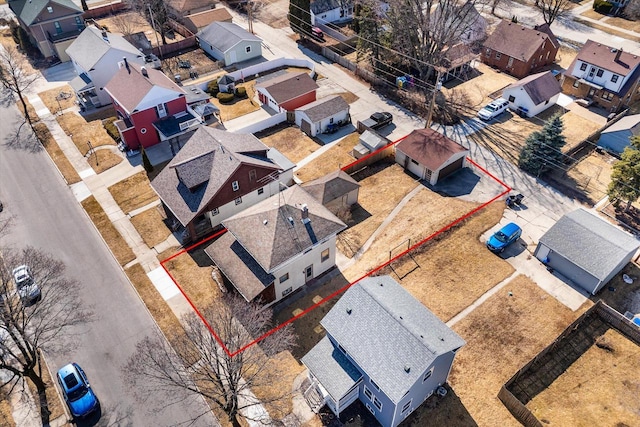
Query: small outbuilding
[
  {"x": 336, "y": 190},
  {"x": 617, "y": 137},
  {"x": 430, "y": 155},
  {"x": 287, "y": 91},
  {"x": 318, "y": 116},
  {"x": 533, "y": 94},
  {"x": 586, "y": 249},
  {"x": 229, "y": 43}
]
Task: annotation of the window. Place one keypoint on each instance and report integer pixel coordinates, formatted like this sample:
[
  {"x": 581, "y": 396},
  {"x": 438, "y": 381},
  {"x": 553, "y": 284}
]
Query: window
[
  {"x": 614, "y": 78},
  {"x": 373, "y": 383},
  {"x": 143, "y": 131},
  {"x": 488, "y": 52},
  {"x": 247, "y": 49},
  {"x": 370, "y": 408},
  {"x": 414, "y": 162},
  {"x": 512, "y": 98},
  {"x": 79, "y": 22},
  {"x": 238, "y": 200},
  {"x": 583, "y": 66},
  {"x": 510, "y": 62},
  {"x": 260, "y": 191},
  {"x": 607, "y": 96},
  {"x": 235, "y": 186},
  {"x": 58, "y": 27},
  {"x": 498, "y": 55},
  {"x": 287, "y": 291},
  {"x": 215, "y": 211},
  {"x": 368, "y": 393},
  {"x": 162, "y": 112},
  {"x": 576, "y": 83},
  {"x": 331, "y": 120},
  {"x": 406, "y": 406},
  {"x": 377, "y": 403},
  {"x": 49, "y": 9},
  {"x": 600, "y": 72},
  {"x": 427, "y": 375},
  {"x": 284, "y": 277},
  {"x": 324, "y": 255},
  {"x": 252, "y": 174}
]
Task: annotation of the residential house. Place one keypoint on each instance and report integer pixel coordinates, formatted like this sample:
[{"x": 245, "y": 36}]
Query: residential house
[
  {"x": 336, "y": 190},
  {"x": 52, "y": 25},
  {"x": 229, "y": 43},
  {"x": 197, "y": 21},
  {"x": 430, "y": 155},
  {"x": 327, "y": 11},
  {"x": 463, "y": 22},
  {"x": 179, "y": 8},
  {"x": 215, "y": 175},
  {"x": 95, "y": 55},
  {"x": 519, "y": 50},
  {"x": 604, "y": 75},
  {"x": 316, "y": 117},
  {"x": 586, "y": 249},
  {"x": 618, "y": 136},
  {"x": 383, "y": 347},
  {"x": 150, "y": 107},
  {"x": 287, "y": 91},
  {"x": 275, "y": 247},
  {"x": 533, "y": 94},
  {"x": 457, "y": 62}
]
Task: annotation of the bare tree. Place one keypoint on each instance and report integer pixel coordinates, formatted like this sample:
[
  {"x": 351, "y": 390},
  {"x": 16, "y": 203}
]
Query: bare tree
[
  {"x": 632, "y": 9},
  {"x": 552, "y": 9},
  {"x": 198, "y": 364},
  {"x": 27, "y": 326},
  {"x": 15, "y": 78},
  {"x": 157, "y": 14},
  {"x": 127, "y": 23}
]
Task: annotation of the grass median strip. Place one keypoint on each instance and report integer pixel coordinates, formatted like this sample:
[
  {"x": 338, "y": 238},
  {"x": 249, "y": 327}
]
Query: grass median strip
[
  {"x": 82, "y": 132},
  {"x": 151, "y": 227},
  {"x": 49, "y": 143},
  {"x": 116, "y": 243},
  {"x": 133, "y": 193}
]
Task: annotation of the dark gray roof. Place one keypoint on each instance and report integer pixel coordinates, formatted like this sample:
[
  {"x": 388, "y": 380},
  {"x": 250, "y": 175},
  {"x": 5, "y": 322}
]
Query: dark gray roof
[
  {"x": 324, "y": 108},
  {"x": 81, "y": 82},
  {"x": 589, "y": 242},
  {"x": 29, "y": 10},
  {"x": 271, "y": 238},
  {"x": 205, "y": 164},
  {"x": 238, "y": 265},
  {"x": 331, "y": 186},
  {"x": 90, "y": 46},
  {"x": 540, "y": 87},
  {"x": 321, "y": 6},
  {"x": 385, "y": 330},
  {"x": 195, "y": 94},
  {"x": 225, "y": 35},
  {"x": 226, "y": 79},
  {"x": 332, "y": 368}
]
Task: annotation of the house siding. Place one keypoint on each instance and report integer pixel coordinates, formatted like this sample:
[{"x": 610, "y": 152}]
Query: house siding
[
  {"x": 44, "y": 25},
  {"x": 568, "y": 269},
  {"x": 602, "y": 97},
  {"x": 298, "y": 102},
  {"x": 544, "y": 55},
  {"x": 241, "y": 53},
  {"x": 321, "y": 126},
  {"x": 522, "y": 99},
  {"x": 420, "y": 170},
  {"x": 615, "y": 141}
]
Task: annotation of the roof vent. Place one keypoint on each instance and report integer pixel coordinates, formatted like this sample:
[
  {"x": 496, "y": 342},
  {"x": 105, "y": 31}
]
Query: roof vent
[
  {"x": 407, "y": 368},
  {"x": 348, "y": 310},
  {"x": 144, "y": 71},
  {"x": 290, "y": 219},
  {"x": 305, "y": 213},
  {"x": 265, "y": 222},
  {"x": 614, "y": 50}
]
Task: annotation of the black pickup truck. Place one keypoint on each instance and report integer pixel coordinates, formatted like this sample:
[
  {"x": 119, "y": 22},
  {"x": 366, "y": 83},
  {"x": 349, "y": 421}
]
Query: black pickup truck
[{"x": 378, "y": 120}]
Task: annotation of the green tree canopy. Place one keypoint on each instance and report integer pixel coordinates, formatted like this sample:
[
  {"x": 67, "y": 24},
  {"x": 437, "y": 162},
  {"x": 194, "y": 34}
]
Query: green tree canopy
[
  {"x": 625, "y": 177},
  {"x": 543, "y": 148}
]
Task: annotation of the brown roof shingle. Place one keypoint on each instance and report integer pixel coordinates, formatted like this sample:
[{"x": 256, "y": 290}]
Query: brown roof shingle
[
  {"x": 604, "y": 56},
  {"x": 517, "y": 41},
  {"x": 429, "y": 148},
  {"x": 540, "y": 87},
  {"x": 289, "y": 86},
  {"x": 202, "y": 19}
]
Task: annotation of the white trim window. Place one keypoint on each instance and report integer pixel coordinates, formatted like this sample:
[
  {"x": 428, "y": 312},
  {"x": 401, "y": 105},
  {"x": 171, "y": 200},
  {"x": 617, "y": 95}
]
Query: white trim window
[
  {"x": 235, "y": 186},
  {"x": 377, "y": 403},
  {"x": 427, "y": 375},
  {"x": 406, "y": 406},
  {"x": 368, "y": 393}
]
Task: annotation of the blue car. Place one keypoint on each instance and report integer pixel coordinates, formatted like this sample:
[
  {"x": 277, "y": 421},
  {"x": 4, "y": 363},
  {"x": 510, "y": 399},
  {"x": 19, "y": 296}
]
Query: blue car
[
  {"x": 76, "y": 391},
  {"x": 504, "y": 237}
]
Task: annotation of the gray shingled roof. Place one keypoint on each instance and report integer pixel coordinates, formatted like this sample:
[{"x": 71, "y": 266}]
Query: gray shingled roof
[
  {"x": 225, "y": 35},
  {"x": 29, "y": 10},
  {"x": 625, "y": 123},
  {"x": 332, "y": 368},
  {"x": 324, "y": 108},
  {"x": 206, "y": 162},
  {"x": 386, "y": 330},
  {"x": 89, "y": 47},
  {"x": 331, "y": 186},
  {"x": 540, "y": 87},
  {"x": 589, "y": 242},
  {"x": 288, "y": 86},
  {"x": 267, "y": 234}
]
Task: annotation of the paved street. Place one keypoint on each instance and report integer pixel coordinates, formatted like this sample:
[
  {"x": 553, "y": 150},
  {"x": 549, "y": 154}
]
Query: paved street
[{"x": 47, "y": 216}]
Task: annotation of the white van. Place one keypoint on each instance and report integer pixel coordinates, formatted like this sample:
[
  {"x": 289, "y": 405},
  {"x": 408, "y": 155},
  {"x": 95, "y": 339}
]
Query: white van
[{"x": 493, "y": 109}]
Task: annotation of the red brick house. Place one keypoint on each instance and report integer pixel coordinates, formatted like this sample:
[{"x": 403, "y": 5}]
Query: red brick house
[
  {"x": 519, "y": 50},
  {"x": 151, "y": 107},
  {"x": 287, "y": 91},
  {"x": 604, "y": 75}
]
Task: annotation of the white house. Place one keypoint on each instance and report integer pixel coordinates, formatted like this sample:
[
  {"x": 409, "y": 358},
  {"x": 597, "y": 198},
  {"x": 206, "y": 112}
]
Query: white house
[
  {"x": 533, "y": 94},
  {"x": 326, "y": 11},
  {"x": 229, "y": 43},
  {"x": 314, "y": 118},
  {"x": 430, "y": 155},
  {"x": 95, "y": 55},
  {"x": 383, "y": 347},
  {"x": 275, "y": 247}
]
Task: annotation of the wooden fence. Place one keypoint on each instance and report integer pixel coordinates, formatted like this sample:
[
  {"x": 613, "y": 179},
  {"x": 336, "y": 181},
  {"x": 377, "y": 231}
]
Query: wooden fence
[
  {"x": 386, "y": 151},
  {"x": 366, "y": 75},
  {"x": 105, "y": 10}
]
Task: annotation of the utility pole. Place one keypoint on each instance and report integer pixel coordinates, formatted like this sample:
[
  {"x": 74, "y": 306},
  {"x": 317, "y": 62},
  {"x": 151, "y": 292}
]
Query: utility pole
[
  {"x": 250, "y": 15},
  {"x": 432, "y": 104},
  {"x": 153, "y": 25}
]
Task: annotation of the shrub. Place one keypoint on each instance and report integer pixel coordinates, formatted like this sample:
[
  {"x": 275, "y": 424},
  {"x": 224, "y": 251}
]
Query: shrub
[
  {"x": 212, "y": 88},
  {"x": 225, "y": 98},
  {"x": 111, "y": 129},
  {"x": 602, "y": 6},
  {"x": 241, "y": 92}
]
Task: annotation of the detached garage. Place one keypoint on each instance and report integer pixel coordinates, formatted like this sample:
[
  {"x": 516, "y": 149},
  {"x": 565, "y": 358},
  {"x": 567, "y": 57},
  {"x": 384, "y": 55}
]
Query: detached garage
[
  {"x": 430, "y": 155},
  {"x": 586, "y": 249}
]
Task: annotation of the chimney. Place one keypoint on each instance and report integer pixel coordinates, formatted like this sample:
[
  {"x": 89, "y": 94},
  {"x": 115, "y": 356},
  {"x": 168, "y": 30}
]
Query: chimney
[
  {"x": 618, "y": 53},
  {"x": 305, "y": 213},
  {"x": 126, "y": 64},
  {"x": 144, "y": 72}
]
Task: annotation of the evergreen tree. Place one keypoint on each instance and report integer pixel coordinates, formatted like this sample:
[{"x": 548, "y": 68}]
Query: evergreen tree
[
  {"x": 146, "y": 163},
  {"x": 543, "y": 148},
  {"x": 300, "y": 17},
  {"x": 369, "y": 26},
  {"x": 625, "y": 177}
]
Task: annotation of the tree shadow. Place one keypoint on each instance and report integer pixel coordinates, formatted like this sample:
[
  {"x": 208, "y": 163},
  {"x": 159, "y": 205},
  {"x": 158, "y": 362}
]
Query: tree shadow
[{"x": 20, "y": 137}]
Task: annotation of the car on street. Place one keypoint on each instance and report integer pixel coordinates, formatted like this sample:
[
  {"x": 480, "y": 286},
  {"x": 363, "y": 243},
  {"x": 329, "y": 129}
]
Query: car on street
[
  {"x": 27, "y": 288},
  {"x": 502, "y": 238},
  {"x": 493, "y": 109},
  {"x": 76, "y": 391}
]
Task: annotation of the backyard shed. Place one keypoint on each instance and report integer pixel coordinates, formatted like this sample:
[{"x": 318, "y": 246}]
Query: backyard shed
[
  {"x": 320, "y": 115},
  {"x": 229, "y": 43},
  {"x": 617, "y": 136},
  {"x": 586, "y": 249},
  {"x": 335, "y": 190}
]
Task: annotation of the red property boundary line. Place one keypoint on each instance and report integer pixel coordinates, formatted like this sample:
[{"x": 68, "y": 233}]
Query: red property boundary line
[{"x": 347, "y": 286}]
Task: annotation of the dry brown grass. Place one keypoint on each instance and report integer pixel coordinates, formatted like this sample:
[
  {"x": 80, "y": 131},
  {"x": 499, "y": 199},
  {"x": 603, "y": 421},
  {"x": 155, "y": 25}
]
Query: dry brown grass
[
  {"x": 590, "y": 13},
  {"x": 133, "y": 193},
  {"x": 116, "y": 243},
  {"x": 349, "y": 97},
  {"x": 565, "y": 56},
  {"x": 53, "y": 149},
  {"x": 331, "y": 160},
  {"x": 102, "y": 160},
  {"x": 286, "y": 368},
  {"x": 80, "y": 132},
  {"x": 151, "y": 227},
  {"x": 502, "y": 335},
  {"x": 53, "y": 399},
  {"x": 626, "y": 296},
  {"x": 30, "y": 110},
  {"x": 625, "y": 24},
  {"x": 58, "y": 99},
  {"x": 591, "y": 175},
  {"x": 378, "y": 196},
  {"x": 137, "y": 22},
  {"x": 479, "y": 88},
  {"x": 600, "y": 388},
  {"x": 607, "y": 29},
  {"x": 291, "y": 142},
  {"x": 576, "y": 129},
  {"x": 6, "y": 413},
  {"x": 239, "y": 106}
]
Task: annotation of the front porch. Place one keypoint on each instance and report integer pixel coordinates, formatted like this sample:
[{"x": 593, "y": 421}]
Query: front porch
[
  {"x": 176, "y": 125},
  {"x": 85, "y": 91}
]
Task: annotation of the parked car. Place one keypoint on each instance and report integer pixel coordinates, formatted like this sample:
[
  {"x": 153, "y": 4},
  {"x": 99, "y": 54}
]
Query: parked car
[
  {"x": 317, "y": 33},
  {"x": 76, "y": 391},
  {"x": 378, "y": 120},
  {"x": 27, "y": 288},
  {"x": 493, "y": 109},
  {"x": 504, "y": 237}
]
